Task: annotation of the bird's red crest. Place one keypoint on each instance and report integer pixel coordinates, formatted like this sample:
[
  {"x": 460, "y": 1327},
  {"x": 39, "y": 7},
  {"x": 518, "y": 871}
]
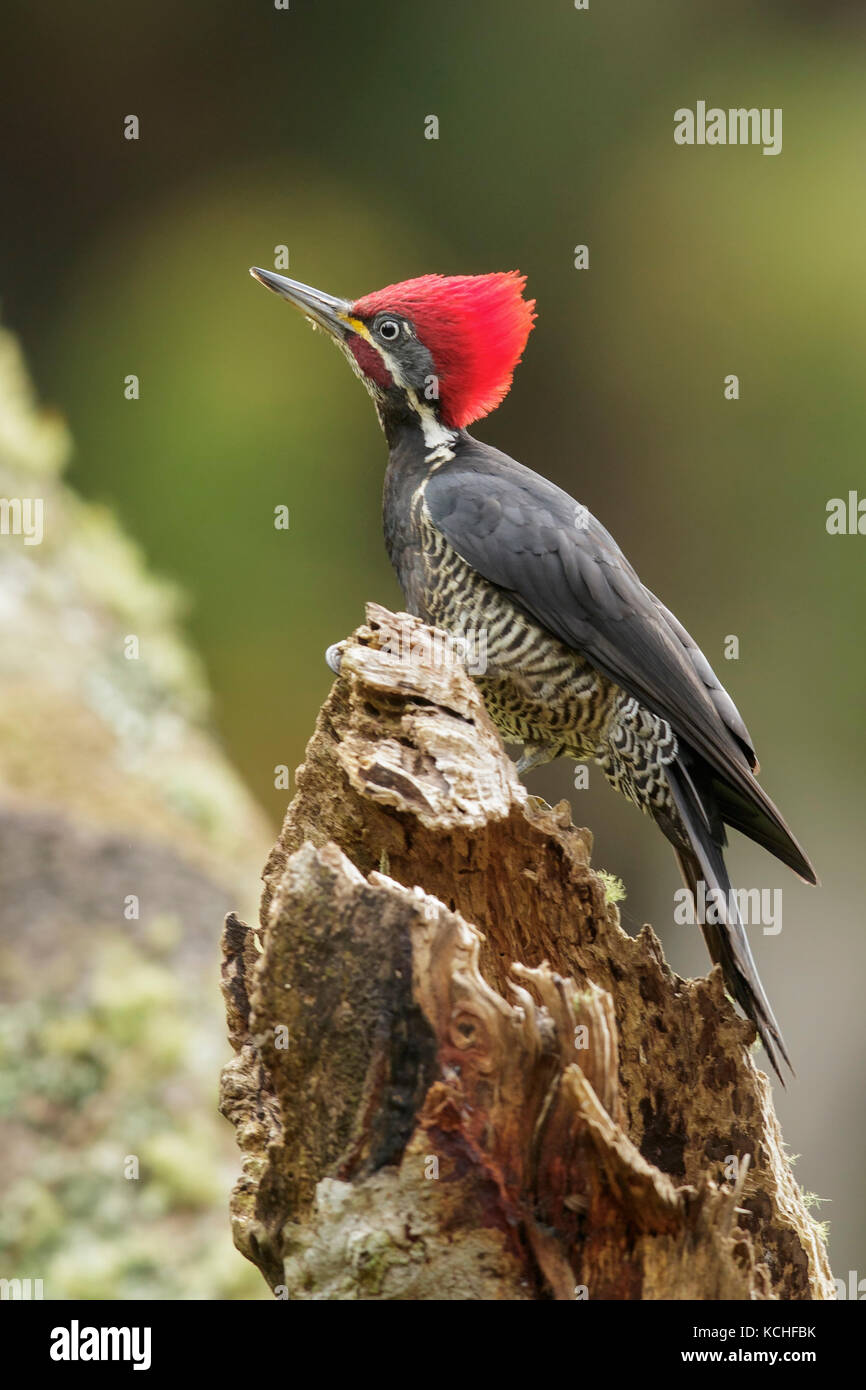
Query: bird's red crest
[{"x": 474, "y": 326}]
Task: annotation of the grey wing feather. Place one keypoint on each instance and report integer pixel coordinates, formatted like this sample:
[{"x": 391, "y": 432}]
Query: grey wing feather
[
  {"x": 562, "y": 568},
  {"x": 725, "y": 707}
]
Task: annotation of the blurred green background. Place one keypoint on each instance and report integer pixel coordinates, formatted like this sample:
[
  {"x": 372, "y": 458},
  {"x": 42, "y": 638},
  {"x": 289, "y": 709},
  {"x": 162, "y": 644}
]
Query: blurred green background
[{"x": 305, "y": 127}]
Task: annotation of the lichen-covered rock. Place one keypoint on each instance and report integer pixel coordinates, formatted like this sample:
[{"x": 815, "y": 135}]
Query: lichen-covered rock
[{"x": 124, "y": 836}]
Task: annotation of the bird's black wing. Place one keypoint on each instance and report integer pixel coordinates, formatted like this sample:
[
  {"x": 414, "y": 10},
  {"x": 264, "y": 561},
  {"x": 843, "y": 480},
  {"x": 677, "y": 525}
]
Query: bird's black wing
[
  {"x": 725, "y": 707},
  {"x": 562, "y": 568}
]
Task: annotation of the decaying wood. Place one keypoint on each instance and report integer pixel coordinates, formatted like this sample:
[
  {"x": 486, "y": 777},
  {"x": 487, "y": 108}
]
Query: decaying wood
[{"x": 455, "y": 1075}]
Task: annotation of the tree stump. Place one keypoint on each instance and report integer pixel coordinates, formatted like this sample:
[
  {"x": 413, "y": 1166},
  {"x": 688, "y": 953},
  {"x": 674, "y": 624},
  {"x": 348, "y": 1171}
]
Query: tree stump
[{"x": 455, "y": 1075}]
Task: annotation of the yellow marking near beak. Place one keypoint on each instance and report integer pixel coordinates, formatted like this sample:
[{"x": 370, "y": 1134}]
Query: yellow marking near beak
[{"x": 356, "y": 326}]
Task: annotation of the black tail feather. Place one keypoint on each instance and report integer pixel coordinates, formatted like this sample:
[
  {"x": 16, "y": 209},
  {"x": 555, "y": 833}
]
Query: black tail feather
[
  {"x": 757, "y": 817},
  {"x": 702, "y": 860}
]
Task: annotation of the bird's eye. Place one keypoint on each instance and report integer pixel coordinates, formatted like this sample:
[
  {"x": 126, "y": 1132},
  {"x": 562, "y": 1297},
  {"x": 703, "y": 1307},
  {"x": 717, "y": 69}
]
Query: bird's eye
[{"x": 389, "y": 329}]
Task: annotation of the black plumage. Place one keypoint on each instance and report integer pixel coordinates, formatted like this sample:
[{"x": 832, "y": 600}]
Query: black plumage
[
  {"x": 583, "y": 661},
  {"x": 528, "y": 550}
]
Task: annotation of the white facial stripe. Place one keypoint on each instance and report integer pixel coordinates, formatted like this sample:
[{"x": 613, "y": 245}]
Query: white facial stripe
[{"x": 436, "y": 436}]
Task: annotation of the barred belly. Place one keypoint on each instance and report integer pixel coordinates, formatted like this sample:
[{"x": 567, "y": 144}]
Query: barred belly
[{"x": 540, "y": 692}]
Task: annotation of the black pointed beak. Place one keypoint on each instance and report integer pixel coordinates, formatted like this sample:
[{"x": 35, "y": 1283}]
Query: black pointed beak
[{"x": 321, "y": 309}]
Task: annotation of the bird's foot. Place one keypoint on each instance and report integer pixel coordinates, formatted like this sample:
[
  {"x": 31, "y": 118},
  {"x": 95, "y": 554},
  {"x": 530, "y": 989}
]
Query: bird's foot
[
  {"x": 534, "y": 755},
  {"x": 334, "y": 656}
]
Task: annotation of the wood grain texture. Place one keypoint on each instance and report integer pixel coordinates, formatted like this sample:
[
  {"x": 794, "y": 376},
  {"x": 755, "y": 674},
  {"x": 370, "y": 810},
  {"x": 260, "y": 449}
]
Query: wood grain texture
[{"x": 455, "y": 1075}]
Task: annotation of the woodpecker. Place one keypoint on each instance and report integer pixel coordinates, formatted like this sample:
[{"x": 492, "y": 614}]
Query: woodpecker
[{"x": 582, "y": 660}]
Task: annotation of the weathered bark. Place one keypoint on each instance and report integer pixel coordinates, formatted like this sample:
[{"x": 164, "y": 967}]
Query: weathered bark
[{"x": 456, "y": 1076}]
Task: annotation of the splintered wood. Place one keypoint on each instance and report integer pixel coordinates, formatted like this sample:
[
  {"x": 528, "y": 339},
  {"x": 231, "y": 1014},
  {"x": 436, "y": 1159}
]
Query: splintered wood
[{"x": 455, "y": 1075}]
